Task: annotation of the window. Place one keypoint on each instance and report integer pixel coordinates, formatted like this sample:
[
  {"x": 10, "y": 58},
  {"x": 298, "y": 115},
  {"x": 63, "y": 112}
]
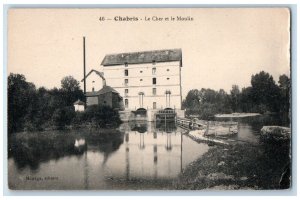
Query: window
[
  {"x": 168, "y": 69},
  {"x": 126, "y": 103},
  {"x": 153, "y": 81},
  {"x": 154, "y": 91},
  {"x": 168, "y": 78},
  {"x": 126, "y": 92},
  {"x": 126, "y": 82},
  {"x": 141, "y": 71},
  {"x": 93, "y": 89},
  {"x": 141, "y": 79},
  {"x": 154, "y": 105},
  {"x": 126, "y": 64},
  {"x": 126, "y": 72},
  {"x": 153, "y": 62},
  {"x": 153, "y": 71}
]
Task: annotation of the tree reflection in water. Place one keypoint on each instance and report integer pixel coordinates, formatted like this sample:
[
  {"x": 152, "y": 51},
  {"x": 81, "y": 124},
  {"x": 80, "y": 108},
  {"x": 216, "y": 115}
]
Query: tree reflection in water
[{"x": 31, "y": 149}]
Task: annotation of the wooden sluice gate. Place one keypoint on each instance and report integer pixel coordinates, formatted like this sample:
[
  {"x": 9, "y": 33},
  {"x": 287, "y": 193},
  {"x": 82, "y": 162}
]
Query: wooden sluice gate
[{"x": 168, "y": 115}]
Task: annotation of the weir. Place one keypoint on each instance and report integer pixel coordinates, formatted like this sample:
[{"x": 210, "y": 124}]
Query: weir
[{"x": 210, "y": 127}]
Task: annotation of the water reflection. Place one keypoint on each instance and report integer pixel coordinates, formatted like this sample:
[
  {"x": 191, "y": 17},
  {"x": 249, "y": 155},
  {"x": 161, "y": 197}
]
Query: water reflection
[
  {"x": 158, "y": 153},
  {"x": 249, "y": 127},
  {"x": 32, "y": 149},
  {"x": 131, "y": 157}
]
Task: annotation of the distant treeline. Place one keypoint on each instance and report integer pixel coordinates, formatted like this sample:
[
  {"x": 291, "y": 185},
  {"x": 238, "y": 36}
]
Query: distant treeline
[
  {"x": 263, "y": 96},
  {"x": 31, "y": 108}
]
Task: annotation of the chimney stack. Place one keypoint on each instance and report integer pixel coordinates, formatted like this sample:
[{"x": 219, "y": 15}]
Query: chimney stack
[{"x": 84, "y": 81}]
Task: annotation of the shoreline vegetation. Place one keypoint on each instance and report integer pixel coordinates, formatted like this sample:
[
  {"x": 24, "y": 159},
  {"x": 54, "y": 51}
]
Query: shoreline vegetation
[
  {"x": 264, "y": 96},
  {"x": 38, "y": 109}
]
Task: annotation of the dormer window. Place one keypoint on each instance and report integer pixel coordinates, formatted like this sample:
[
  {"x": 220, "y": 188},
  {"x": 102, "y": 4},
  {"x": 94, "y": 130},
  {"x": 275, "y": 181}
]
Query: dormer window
[
  {"x": 153, "y": 62},
  {"x": 126, "y": 64}
]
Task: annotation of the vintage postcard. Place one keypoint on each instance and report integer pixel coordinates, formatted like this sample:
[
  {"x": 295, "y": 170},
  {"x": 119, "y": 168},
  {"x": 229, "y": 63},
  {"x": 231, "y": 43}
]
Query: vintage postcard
[{"x": 149, "y": 99}]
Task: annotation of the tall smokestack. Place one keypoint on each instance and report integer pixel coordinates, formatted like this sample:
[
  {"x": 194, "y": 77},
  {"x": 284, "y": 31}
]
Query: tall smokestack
[{"x": 84, "y": 82}]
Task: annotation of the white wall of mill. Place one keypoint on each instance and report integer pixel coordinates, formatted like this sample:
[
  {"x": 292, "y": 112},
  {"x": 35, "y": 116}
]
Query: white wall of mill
[{"x": 140, "y": 80}]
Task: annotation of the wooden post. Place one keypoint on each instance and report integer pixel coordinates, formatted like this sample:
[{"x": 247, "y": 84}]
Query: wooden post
[{"x": 207, "y": 128}]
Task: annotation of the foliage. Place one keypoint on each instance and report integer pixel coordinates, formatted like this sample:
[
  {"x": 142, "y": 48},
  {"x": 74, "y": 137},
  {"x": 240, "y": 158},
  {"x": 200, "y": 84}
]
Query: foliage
[
  {"x": 32, "y": 109},
  {"x": 21, "y": 95},
  {"x": 70, "y": 90},
  {"x": 102, "y": 116},
  {"x": 263, "y": 96},
  {"x": 63, "y": 116},
  {"x": 207, "y": 102}
]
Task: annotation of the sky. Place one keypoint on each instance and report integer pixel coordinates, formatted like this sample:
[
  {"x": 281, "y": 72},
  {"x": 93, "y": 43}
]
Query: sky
[{"x": 220, "y": 46}]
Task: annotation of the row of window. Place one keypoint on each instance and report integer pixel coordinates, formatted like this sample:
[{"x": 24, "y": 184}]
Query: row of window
[
  {"x": 127, "y": 104},
  {"x": 126, "y": 72},
  {"x": 153, "y": 91},
  {"x": 153, "y": 81}
]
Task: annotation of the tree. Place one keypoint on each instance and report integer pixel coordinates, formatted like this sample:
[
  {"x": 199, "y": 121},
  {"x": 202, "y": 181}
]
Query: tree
[
  {"x": 207, "y": 102},
  {"x": 192, "y": 101},
  {"x": 285, "y": 85},
  {"x": 20, "y": 97},
  {"x": 68, "y": 83},
  {"x": 284, "y": 82},
  {"x": 235, "y": 97},
  {"x": 265, "y": 91},
  {"x": 70, "y": 91}
]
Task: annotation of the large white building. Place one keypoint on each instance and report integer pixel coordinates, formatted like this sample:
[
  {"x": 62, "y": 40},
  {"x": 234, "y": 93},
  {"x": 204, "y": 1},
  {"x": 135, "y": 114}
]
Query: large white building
[{"x": 148, "y": 79}]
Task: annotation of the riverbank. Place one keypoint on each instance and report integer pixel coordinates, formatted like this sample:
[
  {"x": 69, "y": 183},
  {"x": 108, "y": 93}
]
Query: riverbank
[
  {"x": 238, "y": 166},
  {"x": 237, "y": 115}
]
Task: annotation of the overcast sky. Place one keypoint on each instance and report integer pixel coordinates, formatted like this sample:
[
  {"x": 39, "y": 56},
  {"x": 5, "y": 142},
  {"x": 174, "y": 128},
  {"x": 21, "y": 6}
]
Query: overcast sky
[{"x": 221, "y": 47}]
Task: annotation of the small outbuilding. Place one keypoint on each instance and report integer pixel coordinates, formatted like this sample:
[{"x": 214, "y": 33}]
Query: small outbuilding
[
  {"x": 107, "y": 96},
  {"x": 79, "y": 106}
]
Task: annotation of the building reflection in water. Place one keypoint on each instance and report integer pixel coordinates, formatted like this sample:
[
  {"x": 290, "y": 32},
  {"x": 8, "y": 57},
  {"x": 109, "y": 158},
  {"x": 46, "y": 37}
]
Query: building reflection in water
[{"x": 151, "y": 151}]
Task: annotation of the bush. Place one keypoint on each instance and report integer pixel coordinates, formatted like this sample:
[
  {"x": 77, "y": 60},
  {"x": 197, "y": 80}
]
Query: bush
[
  {"x": 102, "y": 116},
  {"x": 63, "y": 117}
]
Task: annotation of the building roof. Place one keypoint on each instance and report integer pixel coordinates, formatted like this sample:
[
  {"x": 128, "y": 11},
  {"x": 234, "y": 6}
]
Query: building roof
[
  {"x": 105, "y": 89},
  {"x": 78, "y": 102},
  {"x": 142, "y": 57},
  {"x": 100, "y": 74}
]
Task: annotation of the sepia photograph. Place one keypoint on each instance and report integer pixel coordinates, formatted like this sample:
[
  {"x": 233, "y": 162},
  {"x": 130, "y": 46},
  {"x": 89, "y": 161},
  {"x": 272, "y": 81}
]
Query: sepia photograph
[{"x": 149, "y": 99}]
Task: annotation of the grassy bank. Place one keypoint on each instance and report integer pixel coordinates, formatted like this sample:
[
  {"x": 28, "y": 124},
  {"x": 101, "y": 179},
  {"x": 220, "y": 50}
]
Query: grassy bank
[{"x": 238, "y": 166}]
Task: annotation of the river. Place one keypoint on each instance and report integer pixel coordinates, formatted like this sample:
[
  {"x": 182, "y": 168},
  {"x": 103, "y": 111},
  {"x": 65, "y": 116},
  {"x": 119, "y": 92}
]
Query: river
[{"x": 135, "y": 156}]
